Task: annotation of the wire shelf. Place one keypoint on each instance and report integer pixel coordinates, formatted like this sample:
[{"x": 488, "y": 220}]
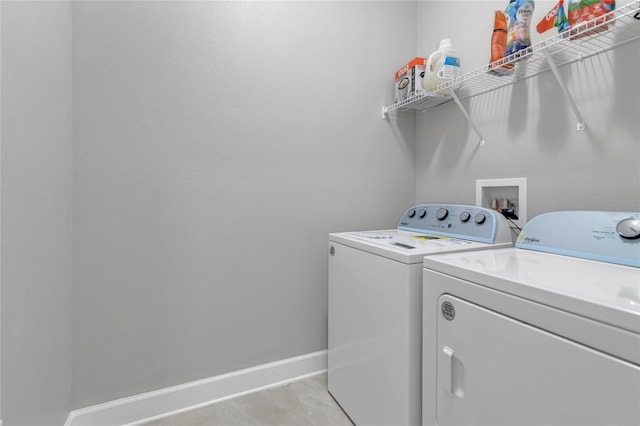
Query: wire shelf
[{"x": 588, "y": 39}]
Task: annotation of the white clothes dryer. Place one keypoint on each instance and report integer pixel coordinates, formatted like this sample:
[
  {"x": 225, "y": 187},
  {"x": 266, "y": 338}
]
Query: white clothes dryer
[
  {"x": 546, "y": 332},
  {"x": 375, "y": 306}
]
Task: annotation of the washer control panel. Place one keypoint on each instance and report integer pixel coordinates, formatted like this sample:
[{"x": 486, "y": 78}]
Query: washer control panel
[
  {"x": 612, "y": 237},
  {"x": 454, "y": 220}
]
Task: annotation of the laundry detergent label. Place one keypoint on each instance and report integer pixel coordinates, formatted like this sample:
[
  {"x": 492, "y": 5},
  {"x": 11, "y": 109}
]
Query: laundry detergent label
[
  {"x": 452, "y": 60},
  {"x": 451, "y": 68}
]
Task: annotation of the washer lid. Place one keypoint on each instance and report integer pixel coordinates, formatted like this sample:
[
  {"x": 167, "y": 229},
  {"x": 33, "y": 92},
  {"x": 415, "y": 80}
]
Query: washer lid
[
  {"x": 605, "y": 292},
  {"x": 407, "y": 247}
]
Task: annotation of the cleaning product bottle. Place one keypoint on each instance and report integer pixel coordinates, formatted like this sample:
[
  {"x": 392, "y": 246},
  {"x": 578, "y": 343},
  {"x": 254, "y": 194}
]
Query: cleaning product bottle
[
  {"x": 499, "y": 37},
  {"x": 442, "y": 65},
  {"x": 556, "y": 17},
  {"x": 499, "y": 41},
  {"x": 518, "y": 33}
]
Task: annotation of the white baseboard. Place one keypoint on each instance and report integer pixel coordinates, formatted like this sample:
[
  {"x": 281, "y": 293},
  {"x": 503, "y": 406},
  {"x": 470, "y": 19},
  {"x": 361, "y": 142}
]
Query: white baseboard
[{"x": 148, "y": 406}]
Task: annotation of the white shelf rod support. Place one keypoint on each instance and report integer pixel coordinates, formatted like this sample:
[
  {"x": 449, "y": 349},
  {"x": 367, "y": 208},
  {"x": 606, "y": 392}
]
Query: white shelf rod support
[
  {"x": 563, "y": 87},
  {"x": 466, "y": 114}
]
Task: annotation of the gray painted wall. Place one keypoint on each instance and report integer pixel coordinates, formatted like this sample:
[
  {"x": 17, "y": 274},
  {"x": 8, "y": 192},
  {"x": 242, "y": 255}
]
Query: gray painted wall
[
  {"x": 216, "y": 145},
  {"x": 529, "y": 128},
  {"x": 36, "y": 212}
]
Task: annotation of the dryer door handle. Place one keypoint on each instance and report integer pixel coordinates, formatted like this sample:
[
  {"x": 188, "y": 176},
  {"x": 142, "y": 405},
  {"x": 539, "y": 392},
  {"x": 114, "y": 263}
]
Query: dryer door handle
[{"x": 447, "y": 365}]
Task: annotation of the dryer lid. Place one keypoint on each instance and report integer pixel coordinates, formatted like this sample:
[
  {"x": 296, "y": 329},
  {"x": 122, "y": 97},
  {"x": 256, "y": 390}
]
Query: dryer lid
[{"x": 604, "y": 292}]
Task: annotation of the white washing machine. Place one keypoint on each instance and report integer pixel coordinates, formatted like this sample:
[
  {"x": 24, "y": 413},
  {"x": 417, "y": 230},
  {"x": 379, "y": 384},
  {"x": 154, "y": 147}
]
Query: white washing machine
[
  {"x": 375, "y": 306},
  {"x": 544, "y": 333}
]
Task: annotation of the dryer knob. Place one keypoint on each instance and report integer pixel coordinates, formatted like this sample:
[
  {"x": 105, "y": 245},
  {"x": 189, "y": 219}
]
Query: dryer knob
[
  {"x": 411, "y": 213},
  {"x": 422, "y": 213},
  {"x": 464, "y": 216},
  {"x": 442, "y": 213},
  {"x": 479, "y": 218},
  {"x": 629, "y": 228}
]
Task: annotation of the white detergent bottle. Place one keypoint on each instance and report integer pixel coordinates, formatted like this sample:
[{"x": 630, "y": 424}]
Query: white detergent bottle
[{"x": 442, "y": 65}]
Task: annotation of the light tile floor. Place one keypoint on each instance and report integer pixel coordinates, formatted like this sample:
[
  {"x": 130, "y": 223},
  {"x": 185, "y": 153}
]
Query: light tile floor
[{"x": 304, "y": 402}]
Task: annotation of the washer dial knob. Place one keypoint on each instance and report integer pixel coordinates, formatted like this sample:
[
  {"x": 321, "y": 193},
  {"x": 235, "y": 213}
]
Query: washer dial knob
[
  {"x": 465, "y": 216},
  {"x": 442, "y": 213},
  {"x": 479, "y": 218},
  {"x": 629, "y": 228},
  {"x": 422, "y": 213},
  {"x": 411, "y": 213}
]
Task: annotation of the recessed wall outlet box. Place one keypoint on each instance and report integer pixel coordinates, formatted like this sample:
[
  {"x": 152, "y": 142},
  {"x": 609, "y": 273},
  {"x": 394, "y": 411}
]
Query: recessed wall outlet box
[{"x": 508, "y": 196}]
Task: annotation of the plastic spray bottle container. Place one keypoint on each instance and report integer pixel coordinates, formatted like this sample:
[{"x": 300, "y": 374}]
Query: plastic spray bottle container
[{"x": 442, "y": 65}]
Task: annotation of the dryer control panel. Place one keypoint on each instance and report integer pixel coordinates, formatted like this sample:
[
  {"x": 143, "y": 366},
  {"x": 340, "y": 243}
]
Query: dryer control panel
[
  {"x": 612, "y": 237},
  {"x": 457, "y": 221}
]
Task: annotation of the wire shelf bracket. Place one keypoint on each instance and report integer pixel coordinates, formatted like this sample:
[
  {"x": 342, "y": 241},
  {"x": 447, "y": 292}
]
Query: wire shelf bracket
[
  {"x": 466, "y": 115},
  {"x": 554, "y": 69}
]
